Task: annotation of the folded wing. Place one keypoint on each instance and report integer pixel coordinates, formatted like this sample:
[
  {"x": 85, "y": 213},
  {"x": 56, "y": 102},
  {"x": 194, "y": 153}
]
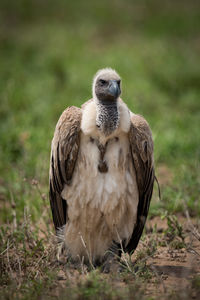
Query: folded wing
[
  {"x": 64, "y": 153},
  {"x": 141, "y": 145}
]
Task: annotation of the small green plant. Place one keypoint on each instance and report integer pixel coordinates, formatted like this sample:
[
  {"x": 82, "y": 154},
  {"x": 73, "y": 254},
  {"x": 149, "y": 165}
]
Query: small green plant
[
  {"x": 196, "y": 282},
  {"x": 174, "y": 233},
  {"x": 94, "y": 287}
]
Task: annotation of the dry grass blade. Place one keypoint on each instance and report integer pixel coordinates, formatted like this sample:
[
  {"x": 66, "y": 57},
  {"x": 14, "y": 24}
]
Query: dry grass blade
[
  {"x": 127, "y": 262},
  {"x": 88, "y": 254},
  {"x": 191, "y": 227}
]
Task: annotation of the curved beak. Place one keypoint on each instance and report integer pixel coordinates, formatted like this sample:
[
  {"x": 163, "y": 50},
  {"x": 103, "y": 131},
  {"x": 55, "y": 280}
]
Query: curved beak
[{"x": 114, "y": 89}]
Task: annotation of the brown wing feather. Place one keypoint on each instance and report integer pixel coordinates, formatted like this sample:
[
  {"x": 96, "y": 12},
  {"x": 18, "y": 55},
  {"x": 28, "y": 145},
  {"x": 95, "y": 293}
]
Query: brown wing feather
[
  {"x": 64, "y": 153},
  {"x": 141, "y": 145}
]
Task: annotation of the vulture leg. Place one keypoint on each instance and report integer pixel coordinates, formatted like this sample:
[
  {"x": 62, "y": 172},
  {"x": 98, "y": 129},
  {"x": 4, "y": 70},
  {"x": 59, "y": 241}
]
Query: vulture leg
[{"x": 112, "y": 258}]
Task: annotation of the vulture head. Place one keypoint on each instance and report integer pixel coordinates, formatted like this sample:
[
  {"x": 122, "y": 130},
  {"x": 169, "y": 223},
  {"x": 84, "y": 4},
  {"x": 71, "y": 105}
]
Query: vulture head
[
  {"x": 106, "y": 91},
  {"x": 106, "y": 86}
]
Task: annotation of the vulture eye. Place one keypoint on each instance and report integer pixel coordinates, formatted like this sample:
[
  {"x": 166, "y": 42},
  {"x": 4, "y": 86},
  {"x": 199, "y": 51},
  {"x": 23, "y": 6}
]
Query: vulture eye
[
  {"x": 118, "y": 82},
  {"x": 102, "y": 81}
]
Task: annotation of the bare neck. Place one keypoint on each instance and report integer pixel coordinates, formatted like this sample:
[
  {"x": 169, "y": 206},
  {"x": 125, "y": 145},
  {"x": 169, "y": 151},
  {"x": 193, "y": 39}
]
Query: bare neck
[{"x": 107, "y": 118}]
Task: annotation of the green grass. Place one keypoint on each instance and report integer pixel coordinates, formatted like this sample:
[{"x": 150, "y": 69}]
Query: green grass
[
  {"x": 49, "y": 54},
  {"x": 47, "y": 65}
]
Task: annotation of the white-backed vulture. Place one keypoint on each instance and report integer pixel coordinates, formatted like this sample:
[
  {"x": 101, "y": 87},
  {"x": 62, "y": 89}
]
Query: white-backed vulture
[{"x": 101, "y": 173}]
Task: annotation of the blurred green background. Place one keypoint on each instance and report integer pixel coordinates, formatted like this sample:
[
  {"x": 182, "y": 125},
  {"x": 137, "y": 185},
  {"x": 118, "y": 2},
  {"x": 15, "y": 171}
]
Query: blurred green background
[{"x": 49, "y": 53}]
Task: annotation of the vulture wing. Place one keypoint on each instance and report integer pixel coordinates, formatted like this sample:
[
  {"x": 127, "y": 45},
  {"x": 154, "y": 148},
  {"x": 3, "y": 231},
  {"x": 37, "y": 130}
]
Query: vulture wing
[
  {"x": 64, "y": 153},
  {"x": 141, "y": 145}
]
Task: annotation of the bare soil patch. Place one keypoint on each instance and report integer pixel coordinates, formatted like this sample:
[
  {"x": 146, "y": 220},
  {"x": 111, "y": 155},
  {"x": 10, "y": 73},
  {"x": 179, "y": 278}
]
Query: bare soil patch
[{"x": 175, "y": 268}]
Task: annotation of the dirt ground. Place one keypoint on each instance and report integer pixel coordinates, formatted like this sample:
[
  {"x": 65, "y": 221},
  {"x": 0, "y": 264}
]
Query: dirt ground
[
  {"x": 174, "y": 268},
  {"x": 165, "y": 265}
]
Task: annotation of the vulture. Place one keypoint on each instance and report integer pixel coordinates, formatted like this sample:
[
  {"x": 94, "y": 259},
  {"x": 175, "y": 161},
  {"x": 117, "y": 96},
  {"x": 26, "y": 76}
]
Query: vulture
[{"x": 101, "y": 175}]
